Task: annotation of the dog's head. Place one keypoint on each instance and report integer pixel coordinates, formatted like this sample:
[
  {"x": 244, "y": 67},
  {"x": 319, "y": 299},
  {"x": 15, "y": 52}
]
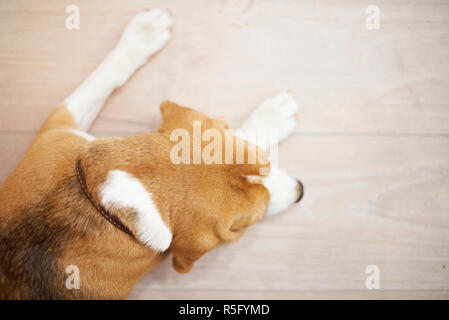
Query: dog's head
[{"x": 217, "y": 197}]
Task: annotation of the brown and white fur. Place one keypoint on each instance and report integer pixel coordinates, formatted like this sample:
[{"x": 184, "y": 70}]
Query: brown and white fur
[{"x": 47, "y": 221}]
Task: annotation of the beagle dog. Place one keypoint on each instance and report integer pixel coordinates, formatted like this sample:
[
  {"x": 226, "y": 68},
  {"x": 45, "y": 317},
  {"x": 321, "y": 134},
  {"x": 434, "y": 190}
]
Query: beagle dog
[{"x": 114, "y": 208}]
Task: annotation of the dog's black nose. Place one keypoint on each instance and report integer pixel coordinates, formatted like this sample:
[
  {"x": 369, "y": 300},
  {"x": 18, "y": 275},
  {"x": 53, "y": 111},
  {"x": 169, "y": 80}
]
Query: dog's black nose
[{"x": 300, "y": 191}]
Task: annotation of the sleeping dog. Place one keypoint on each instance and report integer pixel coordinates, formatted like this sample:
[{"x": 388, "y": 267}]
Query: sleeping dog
[{"x": 114, "y": 208}]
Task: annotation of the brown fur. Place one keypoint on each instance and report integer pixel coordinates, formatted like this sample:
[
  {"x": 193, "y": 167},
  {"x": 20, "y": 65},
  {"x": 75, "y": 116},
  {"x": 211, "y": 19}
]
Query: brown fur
[{"x": 47, "y": 222}]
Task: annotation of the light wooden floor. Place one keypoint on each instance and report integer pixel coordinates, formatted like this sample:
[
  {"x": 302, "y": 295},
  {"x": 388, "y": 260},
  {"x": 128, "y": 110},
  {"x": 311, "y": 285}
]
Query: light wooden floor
[{"x": 372, "y": 144}]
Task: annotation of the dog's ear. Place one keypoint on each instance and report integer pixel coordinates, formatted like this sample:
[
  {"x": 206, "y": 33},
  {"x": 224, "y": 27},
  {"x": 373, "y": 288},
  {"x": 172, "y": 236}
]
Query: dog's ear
[
  {"x": 222, "y": 121},
  {"x": 175, "y": 116},
  {"x": 168, "y": 109},
  {"x": 190, "y": 250}
]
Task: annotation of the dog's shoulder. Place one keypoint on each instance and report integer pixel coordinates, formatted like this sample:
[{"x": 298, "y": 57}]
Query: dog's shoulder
[{"x": 42, "y": 212}]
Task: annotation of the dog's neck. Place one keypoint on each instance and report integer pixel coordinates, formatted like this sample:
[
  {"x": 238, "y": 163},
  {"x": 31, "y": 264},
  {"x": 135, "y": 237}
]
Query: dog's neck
[
  {"x": 121, "y": 176},
  {"x": 116, "y": 176}
]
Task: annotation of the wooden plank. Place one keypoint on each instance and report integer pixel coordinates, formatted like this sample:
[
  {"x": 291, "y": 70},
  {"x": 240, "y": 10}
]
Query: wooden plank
[
  {"x": 286, "y": 295},
  {"x": 372, "y": 145},
  {"x": 368, "y": 201},
  {"x": 12, "y": 149},
  {"x": 225, "y": 57}
]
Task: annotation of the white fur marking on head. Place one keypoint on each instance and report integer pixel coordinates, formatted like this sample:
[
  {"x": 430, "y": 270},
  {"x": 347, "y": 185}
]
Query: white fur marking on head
[
  {"x": 122, "y": 190},
  {"x": 145, "y": 34},
  {"x": 83, "y": 134},
  {"x": 283, "y": 191}
]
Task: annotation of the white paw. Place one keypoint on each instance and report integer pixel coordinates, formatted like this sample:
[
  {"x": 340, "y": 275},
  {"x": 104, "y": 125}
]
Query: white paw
[
  {"x": 274, "y": 113},
  {"x": 145, "y": 34}
]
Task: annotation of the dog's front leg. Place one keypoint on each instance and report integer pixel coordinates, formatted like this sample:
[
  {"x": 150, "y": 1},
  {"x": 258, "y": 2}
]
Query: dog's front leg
[
  {"x": 275, "y": 116},
  {"x": 146, "y": 34}
]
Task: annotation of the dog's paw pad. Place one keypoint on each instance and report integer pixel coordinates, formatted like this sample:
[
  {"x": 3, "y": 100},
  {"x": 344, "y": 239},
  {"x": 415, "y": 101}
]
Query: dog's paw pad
[
  {"x": 147, "y": 32},
  {"x": 275, "y": 113},
  {"x": 151, "y": 24}
]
